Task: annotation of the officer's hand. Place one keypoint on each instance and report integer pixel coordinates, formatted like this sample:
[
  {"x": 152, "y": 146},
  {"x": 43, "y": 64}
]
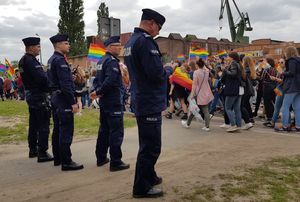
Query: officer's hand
[
  {"x": 93, "y": 95},
  {"x": 75, "y": 108}
]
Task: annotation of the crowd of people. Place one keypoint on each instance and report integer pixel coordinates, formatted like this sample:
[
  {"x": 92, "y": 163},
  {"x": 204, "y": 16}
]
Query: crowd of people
[{"x": 239, "y": 86}]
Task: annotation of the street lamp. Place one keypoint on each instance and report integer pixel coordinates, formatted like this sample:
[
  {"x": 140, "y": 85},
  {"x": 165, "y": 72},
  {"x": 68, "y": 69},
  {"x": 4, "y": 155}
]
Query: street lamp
[{"x": 40, "y": 51}]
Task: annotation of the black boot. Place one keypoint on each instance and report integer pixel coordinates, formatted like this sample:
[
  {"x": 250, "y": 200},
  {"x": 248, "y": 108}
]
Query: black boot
[
  {"x": 33, "y": 153},
  {"x": 71, "y": 166},
  {"x": 122, "y": 166},
  {"x": 44, "y": 157}
]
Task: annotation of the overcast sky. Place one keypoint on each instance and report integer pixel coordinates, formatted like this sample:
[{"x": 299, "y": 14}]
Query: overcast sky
[{"x": 275, "y": 19}]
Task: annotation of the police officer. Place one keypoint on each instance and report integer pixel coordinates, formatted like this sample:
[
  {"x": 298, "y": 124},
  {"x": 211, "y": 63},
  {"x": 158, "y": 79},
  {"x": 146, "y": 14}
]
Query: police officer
[
  {"x": 36, "y": 89},
  {"x": 109, "y": 88},
  {"x": 148, "y": 80},
  {"x": 63, "y": 103}
]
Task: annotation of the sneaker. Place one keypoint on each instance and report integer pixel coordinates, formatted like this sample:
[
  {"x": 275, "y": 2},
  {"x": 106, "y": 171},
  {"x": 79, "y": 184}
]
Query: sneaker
[
  {"x": 269, "y": 124},
  {"x": 184, "y": 124},
  {"x": 283, "y": 129},
  {"x": 206, "y": 129},
  {"x": 232, "y": 129},
  {"x": 247, "y": 126},
  {"x": 184, "y": 117},
  {"x": 168, "y": 115},
  {"x": 225, "y": 125}
]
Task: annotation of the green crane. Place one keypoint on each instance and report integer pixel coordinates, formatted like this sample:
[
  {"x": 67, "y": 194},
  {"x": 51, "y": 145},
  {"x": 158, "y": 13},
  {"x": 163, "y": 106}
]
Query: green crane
[{"x": 236, "y": 29}]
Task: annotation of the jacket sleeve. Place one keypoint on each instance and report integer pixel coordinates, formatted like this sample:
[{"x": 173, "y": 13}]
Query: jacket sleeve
[
  {"x": 112, "y": 74},
  {"x": 292, "y": 69},
  {"x": 65, "y": 80},
  {"x": 151, "y": 61},
  {"x": 38, "y": 74}
]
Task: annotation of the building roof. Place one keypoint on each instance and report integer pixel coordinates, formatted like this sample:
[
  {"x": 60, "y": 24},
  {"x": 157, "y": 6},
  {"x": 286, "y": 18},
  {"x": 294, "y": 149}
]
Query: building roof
[{"x": 175, "y": 36}]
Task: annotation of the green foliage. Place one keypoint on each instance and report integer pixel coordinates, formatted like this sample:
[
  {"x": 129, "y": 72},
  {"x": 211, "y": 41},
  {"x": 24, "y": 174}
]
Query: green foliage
[
  {"x": 71, "y": 23},
  {"x": 101, "y": 12},
  {"x": 14, "y": 122}
]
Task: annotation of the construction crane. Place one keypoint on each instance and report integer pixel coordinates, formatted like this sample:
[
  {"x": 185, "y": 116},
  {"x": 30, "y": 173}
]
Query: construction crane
[{"x": 236, "y": 29}]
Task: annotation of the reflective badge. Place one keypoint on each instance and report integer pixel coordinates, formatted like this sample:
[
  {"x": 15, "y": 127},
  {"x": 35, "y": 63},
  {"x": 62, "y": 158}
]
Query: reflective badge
[
  {"x": 116, "y": 69},
  {"x": 155, "y": 52},
  {"x": 68, "y": 110},
  {"x": 99, "y": 67},
  {"x": 64, "y": 66},
  {"x": 38, "y": 66},
  {"x": 127, "y": 51},
  {"x": 117, "y": 113},
  {"x": 151, "y": 119}
]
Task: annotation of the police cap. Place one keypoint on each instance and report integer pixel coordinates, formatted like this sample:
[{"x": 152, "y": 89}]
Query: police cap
[
  {"x": 31, "y": 41},
  {"x": 59, "y": 38},
  {"x": 149, "y": 14},
  {"x": 113, "y": 39}
]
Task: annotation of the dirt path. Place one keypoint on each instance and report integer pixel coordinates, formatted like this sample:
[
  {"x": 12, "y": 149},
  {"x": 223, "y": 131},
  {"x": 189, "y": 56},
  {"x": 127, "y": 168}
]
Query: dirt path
[{"x": 189, "y": 156}]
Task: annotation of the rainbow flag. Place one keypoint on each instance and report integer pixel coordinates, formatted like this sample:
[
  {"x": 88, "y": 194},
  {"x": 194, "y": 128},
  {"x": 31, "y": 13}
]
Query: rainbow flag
[
  {"x": 2, "y": 68},
  {"x": 278, "y": 90},
  {"x": 10, "y": 70},
  {"x": 202, "y": 53},
  {"x": 96, "y": 52},
  {"x": 222, "y": 54},
  {"x": 214, "y": 82},
  {"x": 180, "y": 57},
  {"x": 181, "y": 78}
]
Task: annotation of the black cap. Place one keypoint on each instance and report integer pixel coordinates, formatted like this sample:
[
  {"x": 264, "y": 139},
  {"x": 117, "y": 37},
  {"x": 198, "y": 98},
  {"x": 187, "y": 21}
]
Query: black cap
[
  {"x": 59, "y": 38},
  {"x": 113, "y": 39},
  {"x": 31, "y": 41},
  {"x": 149, "y": 14}
]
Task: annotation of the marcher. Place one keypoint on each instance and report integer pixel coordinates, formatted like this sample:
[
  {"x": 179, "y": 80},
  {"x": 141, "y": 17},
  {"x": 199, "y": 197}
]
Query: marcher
[
  {"x": 148, "y": 89},
  {"x": 36, "y": 91},
  {"x": 109, "y": 88},
  {"x": 63, "y": 103}
]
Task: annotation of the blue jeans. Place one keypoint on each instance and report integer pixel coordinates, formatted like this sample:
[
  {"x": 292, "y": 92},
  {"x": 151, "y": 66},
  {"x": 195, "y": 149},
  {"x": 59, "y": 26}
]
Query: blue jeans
[
  {"x": 214, "y": 102},
  {"x": 288, "y": 100},
  {"x": 233, "y": 109},
  {"x": 277, "y": 107}
]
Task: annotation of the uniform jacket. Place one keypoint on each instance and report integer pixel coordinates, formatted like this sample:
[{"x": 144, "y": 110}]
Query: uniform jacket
[
  {"x": 147, "y": 75},
  {"x": 61, "y": 80},
  {"x": 34, "y": 80},
  {"x": 108, "y": 83}
]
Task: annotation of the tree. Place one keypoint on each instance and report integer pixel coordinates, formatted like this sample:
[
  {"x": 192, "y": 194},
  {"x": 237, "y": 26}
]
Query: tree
[
  {"x": 101, "y": 12},
  {"x": 71, "y": 23}
]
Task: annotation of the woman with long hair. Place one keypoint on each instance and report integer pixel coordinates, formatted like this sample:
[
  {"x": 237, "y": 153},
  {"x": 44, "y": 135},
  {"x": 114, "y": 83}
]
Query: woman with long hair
[
  {"x": 202, "y": 93},
  {"x": 233, "y": 90}
]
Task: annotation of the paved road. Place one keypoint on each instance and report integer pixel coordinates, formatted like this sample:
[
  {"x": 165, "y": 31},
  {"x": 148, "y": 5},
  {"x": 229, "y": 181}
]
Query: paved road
[{"x": 188, "y": 155}]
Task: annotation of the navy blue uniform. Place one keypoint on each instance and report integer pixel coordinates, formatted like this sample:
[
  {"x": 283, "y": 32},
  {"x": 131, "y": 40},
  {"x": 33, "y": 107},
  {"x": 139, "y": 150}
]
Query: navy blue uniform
[
  {"x": 108, "y": 85},
  {"x": 149, "y": 88},
  {"x": 62, "y": 99},
  {"x": 36, "y": 89}
]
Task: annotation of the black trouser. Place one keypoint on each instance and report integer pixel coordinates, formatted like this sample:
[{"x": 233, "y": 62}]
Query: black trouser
[
  {"x": 244, "y": 108},
  {"x": 38, "y": 133},
  {"x": 149, "y": 127},
  {"x": 246, "y": 103},
  {"x": 110, "y": 134},
  {"x": 269, "y": 99},
  {"x": 63, "y": 129},
  {"x": 258, "y": 99}
]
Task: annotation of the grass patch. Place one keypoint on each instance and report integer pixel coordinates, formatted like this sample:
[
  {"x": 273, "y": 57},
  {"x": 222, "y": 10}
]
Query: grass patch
[
  {"x": 275, "y": 180},
  {"x": 14, "y": 122}
]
